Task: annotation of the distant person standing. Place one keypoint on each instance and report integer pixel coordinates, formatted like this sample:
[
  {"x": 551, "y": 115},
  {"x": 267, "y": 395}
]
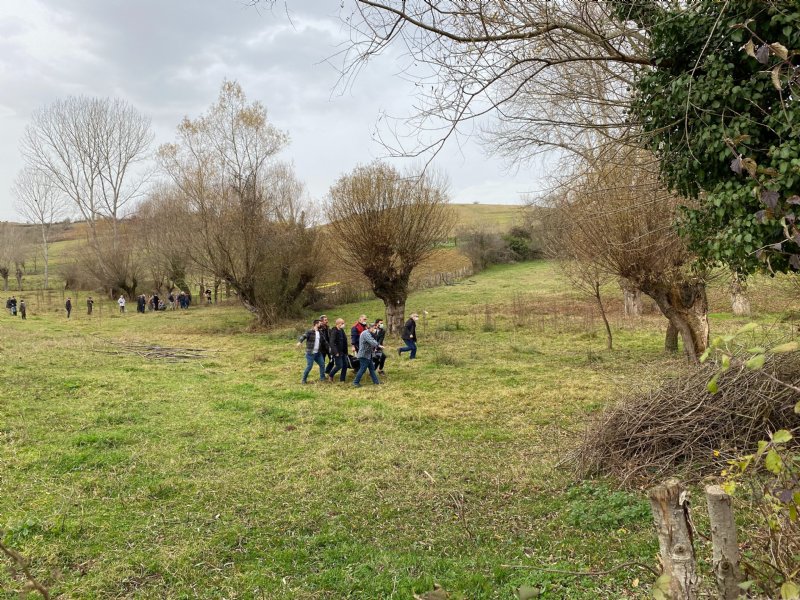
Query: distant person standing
[
  {"x": 22, "y": 309},
  {"x": 13, "y": 306},
  {"x": 89, "y": 305},
  {"x": 68, "y": 306},
  {"x": 208, "y": 296},
  {"x": 410, "y": 337},
  {"x": 121, "y": 303},
  {"x": 8, "y": 305}
]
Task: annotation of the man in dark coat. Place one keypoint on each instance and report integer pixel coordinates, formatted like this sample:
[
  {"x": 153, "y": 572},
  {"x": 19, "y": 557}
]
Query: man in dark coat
[
  {"x": 379, "y": 356},
  {"x": 356, "y": 331},
  {"x": 339, "y": 349},
  {"x": 89, "y": 305},
  {"x": 315, "y": 346},
  {"x": 410, "y": 337},
  {"x": 68, "y": 306},
  {"x": 22, "y": 309}
]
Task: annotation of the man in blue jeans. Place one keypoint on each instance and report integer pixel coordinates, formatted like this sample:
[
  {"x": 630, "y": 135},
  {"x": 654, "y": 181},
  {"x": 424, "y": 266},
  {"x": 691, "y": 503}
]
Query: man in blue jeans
[
  {"x": 367, "y": 344},
  {"x": 410, "y": 337},
  {"x": 316, "y": 348}
]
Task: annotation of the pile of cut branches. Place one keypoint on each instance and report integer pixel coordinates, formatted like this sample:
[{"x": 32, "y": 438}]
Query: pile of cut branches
[
  {"x": 153, "y": 352},
  {"x": 681, "y": 428}
]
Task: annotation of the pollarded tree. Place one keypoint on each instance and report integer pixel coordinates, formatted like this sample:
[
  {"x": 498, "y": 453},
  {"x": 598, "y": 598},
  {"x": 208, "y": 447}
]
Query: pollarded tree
[
  {"x": 41, "y": 203},
  {"x": 384, "y": 225},
  {"x": 617, "y": 214}
]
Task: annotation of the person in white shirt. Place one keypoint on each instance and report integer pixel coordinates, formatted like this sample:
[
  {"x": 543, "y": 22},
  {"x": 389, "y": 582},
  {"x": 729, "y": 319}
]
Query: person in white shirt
[{"x": 121, "y": 303}]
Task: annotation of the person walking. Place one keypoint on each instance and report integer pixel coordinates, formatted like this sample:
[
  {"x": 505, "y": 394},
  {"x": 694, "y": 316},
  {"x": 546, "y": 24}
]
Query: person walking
[
  {"x": 22, "y": 309},
  {"x": 315, "y": 346},
  {"x": 409, "y": 336},
  {"x": 68, "y": 306},
  {"x": 89, "y": 305},
  {"x": 326, "y": 333},
  {"x": 13, "y": 306},
  {"x": 208, "y": 296},
  {"x": 379, "y": 357},
  {"x": 366, "y": 347},
  {"x": 121, "y": 303},
  {"x": 339, "y": 351},
  {"x": 355, "y": 332}
]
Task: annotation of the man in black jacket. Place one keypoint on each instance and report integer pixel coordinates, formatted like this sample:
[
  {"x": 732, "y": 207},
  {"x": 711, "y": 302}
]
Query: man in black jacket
[
  {"x": 339, "y": 350},
  {"x": 379, "y": 356},
  {"x": 410, "y": 337},
  {"x": 315, "y": 346},
  {"x": 68, "y": 306}
]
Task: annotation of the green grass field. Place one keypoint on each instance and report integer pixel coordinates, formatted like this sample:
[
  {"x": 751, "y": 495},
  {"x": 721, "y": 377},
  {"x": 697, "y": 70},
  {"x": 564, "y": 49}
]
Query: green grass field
[{"x": 223, "y": 477}]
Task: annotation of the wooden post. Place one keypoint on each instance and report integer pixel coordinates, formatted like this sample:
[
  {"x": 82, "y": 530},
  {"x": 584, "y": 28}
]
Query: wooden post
[
  {"x": 725, "y": 551},
  {"x": 670, "y": 512}
]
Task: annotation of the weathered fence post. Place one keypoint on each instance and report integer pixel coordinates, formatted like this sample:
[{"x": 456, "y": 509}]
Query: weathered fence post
[
  {"x": 725, "y": 551},
  {"x": 669, "y": 506}
]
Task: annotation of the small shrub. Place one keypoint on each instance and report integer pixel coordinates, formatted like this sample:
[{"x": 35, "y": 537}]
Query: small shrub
[{"x": 597, "y": 508}]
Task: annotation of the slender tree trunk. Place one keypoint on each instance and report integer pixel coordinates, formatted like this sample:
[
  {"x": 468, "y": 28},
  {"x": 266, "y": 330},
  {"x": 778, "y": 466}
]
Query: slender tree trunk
[
  {"x": 18, "y": 274},
  {"x": 609, "y": 340},
  {"x": 46, "y": 264},
  {"x": 395, "y": 315},
  {"x": 5, "y": 283},
  {"x": 671, "y": 339}
]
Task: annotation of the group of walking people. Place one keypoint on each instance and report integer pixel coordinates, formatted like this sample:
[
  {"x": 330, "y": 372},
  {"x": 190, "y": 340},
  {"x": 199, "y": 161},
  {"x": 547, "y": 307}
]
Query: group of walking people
[
  {"x": 11, "y": 307},
  {"x": 362, "y": 352}
]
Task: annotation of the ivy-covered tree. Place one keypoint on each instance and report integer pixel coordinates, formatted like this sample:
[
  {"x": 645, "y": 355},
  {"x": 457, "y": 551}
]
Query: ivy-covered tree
[{"x": 720, "y": 107}]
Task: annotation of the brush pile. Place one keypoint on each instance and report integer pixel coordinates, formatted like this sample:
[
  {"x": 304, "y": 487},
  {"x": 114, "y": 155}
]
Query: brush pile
[{"x": 682, "y": 429}]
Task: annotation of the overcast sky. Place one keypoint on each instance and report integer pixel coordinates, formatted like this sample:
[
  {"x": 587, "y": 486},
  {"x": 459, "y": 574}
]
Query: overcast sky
[{"x": 168, "y": 58}]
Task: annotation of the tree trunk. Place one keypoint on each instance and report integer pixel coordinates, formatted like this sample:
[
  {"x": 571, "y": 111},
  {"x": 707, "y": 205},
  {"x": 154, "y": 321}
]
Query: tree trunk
[
  {"x": 5, "y": 283},
  {"x": 395, "y": 316},
  {"x": 609, "y": 339},
  {"x": 671, "y": 339},
  {"x": 19, "y": 273},
  {"x": 632, "y": 302},
  {"x": 686, "y": 306},
  {"x": 670, "y": 512},
  {"x": 46, "y": 273},
  {"x": 739, "y": 302},
  {"x": 725, "y": 551}
]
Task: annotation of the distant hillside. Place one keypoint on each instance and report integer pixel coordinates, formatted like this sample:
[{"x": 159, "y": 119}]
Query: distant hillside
[{"x": 497, "y": 217}]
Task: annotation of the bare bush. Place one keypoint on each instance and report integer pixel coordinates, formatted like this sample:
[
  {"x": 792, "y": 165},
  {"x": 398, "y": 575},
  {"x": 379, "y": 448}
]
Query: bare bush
[{"x": 681, "y": 427}]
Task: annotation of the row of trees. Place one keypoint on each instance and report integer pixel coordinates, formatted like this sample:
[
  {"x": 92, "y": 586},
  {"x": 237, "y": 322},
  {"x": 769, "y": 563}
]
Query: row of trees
[{"x": 224, "y": 205}]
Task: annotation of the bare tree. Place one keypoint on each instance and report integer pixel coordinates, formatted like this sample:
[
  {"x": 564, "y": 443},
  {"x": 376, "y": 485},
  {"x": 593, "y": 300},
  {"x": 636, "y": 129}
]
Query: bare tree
[
  {"x": 618, "y": 215},
  {"x": 252, "y": 226},
  {"x": 384, "y": 225},
  {"x": 163, "y": 224},
  {"x": 40, "y": 203},
  {"x": 14, "y": 251},
  {"x": 90, "y": 149},
  {"x": 532, "y": 65}
]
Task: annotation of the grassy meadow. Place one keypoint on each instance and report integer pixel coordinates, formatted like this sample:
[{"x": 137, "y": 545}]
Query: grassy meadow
[{"x": 125, "y": 476}]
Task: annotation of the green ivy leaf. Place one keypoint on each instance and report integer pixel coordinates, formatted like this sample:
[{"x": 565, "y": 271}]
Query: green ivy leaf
[
  {"x": 773, "y": 462},
  {"x": 712, "y": 385},
  {"x": 781, "y": 436},
  {"x": 756, "y": 362}
]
